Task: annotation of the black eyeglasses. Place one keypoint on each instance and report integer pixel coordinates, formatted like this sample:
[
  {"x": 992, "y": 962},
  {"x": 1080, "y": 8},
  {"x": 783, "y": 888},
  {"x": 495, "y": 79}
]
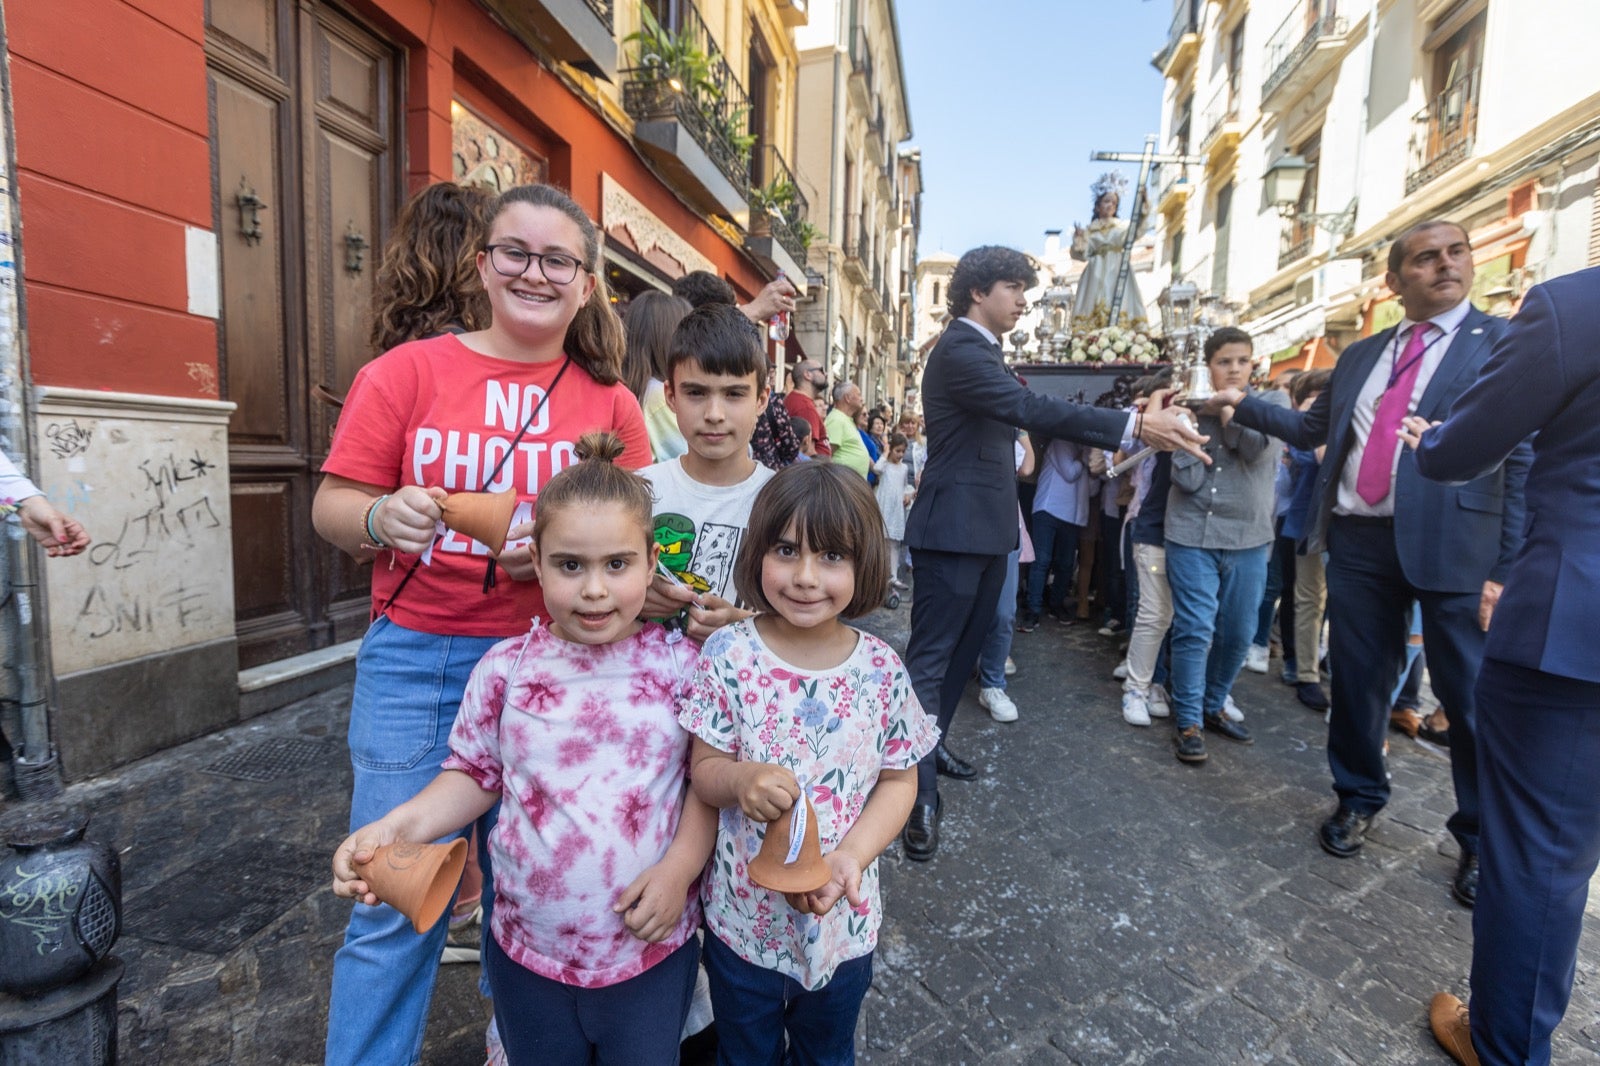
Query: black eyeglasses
[{"x": 510, "y": 261}]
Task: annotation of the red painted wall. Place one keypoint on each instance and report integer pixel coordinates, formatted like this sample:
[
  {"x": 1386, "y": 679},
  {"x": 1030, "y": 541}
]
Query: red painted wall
[
  {"x": 113, "y": 157},
  {"x": 109, "y": 101}
]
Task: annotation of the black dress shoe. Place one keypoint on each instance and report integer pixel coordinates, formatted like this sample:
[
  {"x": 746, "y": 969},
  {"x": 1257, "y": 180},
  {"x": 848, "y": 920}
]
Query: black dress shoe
[
  {"x": 921, "y": 834},
  {"x": 1221, "y": 723},
  {"x": 1465, "y": 886},
  {"x": 1310, "y": 693},
  {"x": 951, "y": 765},
  {"x": 1344, "y": 832}
]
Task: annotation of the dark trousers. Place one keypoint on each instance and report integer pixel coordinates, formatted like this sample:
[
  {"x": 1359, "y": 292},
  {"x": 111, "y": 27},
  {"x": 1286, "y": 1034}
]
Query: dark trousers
[
  {"x": 757, "y": 1008},
  {"x": 1055, "y": 546},
  {"x": 1541, "y": 843},
  {"x": 1369, "y": 619},
  {"x": 955, "y": 600},
  {"x": 1278, "y": 602},
  {"x": 1112, "y": 594}
]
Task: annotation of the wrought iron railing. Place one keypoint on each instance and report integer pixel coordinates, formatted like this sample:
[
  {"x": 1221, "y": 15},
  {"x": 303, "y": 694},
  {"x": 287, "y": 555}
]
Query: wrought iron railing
[
  {"x": 1296, "y": 38},
  {"x": 778, "y": 199},
  {"x": 1173, "y": 175},
  {"x": 605, "y": 12},
  {"x": 1223, "y": 108},
  {"x": 1442, "y": 132},
  {"x": 1297, "y": 244},
  {"x": 863, "y": 242},
  {"x": 1183, "y": 23},
  {"x": 681, "y": 72}
]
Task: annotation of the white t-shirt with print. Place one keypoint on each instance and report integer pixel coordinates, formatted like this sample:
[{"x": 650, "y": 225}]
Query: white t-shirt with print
[{"x": 700, "y": 527}]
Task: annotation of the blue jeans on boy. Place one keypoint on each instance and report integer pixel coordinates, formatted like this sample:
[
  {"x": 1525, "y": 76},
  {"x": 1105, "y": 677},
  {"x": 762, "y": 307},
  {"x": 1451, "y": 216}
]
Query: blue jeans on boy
[
  {"x": 756, "y": 1006},
  {"x": 997, "y": 645},
  {"x": 1215, "y": 595},
  {"x": 637, "y": 1021},
  {"x": 408, "y": 688},
  {"x": 1055, "y": 543}
]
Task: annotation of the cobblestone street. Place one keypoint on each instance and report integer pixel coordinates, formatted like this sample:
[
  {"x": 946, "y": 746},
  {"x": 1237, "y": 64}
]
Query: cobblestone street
[{"x": 1093, "y": 900}]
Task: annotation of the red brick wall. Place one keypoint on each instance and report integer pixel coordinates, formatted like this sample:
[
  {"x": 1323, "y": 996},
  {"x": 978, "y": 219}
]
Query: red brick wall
[{"x": 109, "y": 100}]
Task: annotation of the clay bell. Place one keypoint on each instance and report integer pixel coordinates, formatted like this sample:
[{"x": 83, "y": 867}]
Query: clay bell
[
  {"x": 483, "y": 516},
  {"x": 416, "y": 879},
  {"x": 807, "y": 873}
]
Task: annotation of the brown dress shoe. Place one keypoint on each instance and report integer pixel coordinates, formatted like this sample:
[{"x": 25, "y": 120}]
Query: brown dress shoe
[
  {"x": 1405, "y": 720},
  {"x": 1447, "y": 1016}
]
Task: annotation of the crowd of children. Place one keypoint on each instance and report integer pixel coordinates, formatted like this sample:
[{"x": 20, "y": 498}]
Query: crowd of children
[{"x": 599, "y": 690}]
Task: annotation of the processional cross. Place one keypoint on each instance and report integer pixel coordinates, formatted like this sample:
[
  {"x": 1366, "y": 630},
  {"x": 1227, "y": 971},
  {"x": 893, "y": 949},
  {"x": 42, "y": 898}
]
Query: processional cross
[{"x": 1136, "y": 215}]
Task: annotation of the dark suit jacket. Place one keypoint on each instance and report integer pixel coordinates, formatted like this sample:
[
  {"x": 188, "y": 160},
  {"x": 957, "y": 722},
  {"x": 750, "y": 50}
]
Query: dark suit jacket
[
  {"x": 967, "y": 499},
  {"x": 1450, "y": 538},
  {"x": 1543, "y": 376}
]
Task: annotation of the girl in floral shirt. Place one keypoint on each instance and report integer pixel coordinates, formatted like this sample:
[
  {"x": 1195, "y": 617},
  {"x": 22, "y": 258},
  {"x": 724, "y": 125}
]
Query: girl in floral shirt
[
  {"x": 599, "y": 847},
  {"x": 794, "y": 699}
]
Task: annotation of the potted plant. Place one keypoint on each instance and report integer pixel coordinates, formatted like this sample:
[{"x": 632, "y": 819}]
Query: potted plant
[{"x": 669, "y": 63}]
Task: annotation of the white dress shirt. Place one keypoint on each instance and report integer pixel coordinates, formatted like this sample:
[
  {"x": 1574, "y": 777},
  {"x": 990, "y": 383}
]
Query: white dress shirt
[{"x": 1446, "y": 325}]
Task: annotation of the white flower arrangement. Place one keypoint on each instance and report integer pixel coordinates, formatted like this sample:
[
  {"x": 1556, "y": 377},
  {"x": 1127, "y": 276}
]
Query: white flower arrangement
[{"x": 1114, "y": 344}]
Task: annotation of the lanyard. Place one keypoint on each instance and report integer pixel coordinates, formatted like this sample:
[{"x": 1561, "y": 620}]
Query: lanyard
[{"x": 1398, "y": 369}]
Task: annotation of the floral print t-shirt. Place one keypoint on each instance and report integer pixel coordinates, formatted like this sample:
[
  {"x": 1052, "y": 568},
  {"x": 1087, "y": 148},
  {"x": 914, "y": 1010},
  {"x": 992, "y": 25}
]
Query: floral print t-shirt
[
  {"x": 835, "y": 730},
  {"x": 583, "y": 743}
]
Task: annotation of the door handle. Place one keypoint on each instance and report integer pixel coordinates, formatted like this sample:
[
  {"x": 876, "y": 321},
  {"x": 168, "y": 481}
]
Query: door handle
[{"x": 250, "y": 208}]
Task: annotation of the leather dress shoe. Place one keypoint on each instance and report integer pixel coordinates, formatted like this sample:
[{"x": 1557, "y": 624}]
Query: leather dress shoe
[
  {"x": 1311, "y": 694},
  {"x": 1405, "y": 720},
  {"x": 1465, "y": 885},
  {"x": 1221, "y": 723},
  {"x": 1436, "y": 728},
  {"x": 1452, "y": 1027},
  {"x": 1344, "y": 832},
  {"x": 921, "y": 834},
  {"x": 951, "y": 765}
]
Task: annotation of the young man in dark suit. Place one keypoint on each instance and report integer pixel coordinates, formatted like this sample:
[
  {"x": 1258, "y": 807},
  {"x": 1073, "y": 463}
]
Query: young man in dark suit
[
  {"x": 1394, "y": 538},
  {"x": 963, "y": 525},
  {"x": 1539, "y": 689}
]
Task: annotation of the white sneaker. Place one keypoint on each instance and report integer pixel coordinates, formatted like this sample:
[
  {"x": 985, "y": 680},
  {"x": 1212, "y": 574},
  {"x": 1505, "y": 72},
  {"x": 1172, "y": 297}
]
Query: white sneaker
[
  {"x": 1255, "y": 660},
  {"x": 1121, "y": 672},
  {"x": 1135, "y": 708},
  {"x": 998, "y": 704},
  {"x": 1231, "y": 710},
  {"x": 1160, "y": 706},
  {"x": 1011, "y": 667}
]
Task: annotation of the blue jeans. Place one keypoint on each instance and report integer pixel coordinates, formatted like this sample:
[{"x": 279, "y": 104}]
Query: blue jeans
[
  {"x": 756, "y": 1006},
  {"x": 1215, "y": 595},
  {"x": 408, "y": 689},
  {"x": 637, "y": 1021},
  {"x": 997, "y": 645},
  {"x": 1055, "y": 543}
]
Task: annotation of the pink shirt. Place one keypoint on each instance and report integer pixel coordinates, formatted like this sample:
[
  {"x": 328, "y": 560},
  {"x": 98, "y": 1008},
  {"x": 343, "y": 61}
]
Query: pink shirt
[
  {"x": 836, "y": 730},
  {"x": 583, "y": 743}
]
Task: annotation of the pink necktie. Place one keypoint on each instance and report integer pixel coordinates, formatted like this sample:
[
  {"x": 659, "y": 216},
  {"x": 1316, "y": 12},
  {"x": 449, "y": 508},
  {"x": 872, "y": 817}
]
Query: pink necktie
[{"x": 1377, "y": 461}]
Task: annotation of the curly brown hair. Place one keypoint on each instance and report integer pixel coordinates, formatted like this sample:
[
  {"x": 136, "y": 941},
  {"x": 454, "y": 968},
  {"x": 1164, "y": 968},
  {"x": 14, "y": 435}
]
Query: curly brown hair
[{"x": 428, "y": 277}]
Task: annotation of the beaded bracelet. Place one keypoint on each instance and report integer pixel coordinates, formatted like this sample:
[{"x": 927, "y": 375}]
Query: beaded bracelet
[{"x": 372, "y": 534}]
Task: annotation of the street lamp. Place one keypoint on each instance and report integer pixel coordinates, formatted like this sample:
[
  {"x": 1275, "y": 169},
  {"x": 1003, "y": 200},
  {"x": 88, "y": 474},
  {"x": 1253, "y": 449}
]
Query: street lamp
[{"x": 1284, "y": 181}]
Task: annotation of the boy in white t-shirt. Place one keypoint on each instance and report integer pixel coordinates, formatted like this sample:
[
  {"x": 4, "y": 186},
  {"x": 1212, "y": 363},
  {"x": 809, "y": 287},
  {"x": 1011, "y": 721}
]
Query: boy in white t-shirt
[{"x": 717, "y": 387}]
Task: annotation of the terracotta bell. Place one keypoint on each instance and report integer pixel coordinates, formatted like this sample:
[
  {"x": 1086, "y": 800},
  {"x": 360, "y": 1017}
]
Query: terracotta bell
[
  {"x": 483, "y": 516},
  {"x": 807, "y": 873},
  {"x": 416, "y": 879}
]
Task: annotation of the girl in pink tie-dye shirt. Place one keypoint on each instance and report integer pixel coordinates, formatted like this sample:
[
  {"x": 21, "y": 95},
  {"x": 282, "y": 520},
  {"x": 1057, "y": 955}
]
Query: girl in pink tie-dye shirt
[{"x": 599, "y": 847}]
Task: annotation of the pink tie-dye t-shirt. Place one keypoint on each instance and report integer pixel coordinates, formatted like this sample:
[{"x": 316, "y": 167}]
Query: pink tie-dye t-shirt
[
  {"x": 584, "y": 745},
  {"x": 836, "y": 730}
]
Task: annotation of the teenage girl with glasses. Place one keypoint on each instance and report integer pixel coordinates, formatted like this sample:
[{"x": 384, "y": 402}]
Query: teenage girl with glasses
[{"x": 496, "y": 408}]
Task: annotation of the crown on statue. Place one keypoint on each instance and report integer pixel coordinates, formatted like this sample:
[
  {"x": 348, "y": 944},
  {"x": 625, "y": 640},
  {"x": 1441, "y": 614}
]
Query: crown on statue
[{"x": 1112, "y": 182}]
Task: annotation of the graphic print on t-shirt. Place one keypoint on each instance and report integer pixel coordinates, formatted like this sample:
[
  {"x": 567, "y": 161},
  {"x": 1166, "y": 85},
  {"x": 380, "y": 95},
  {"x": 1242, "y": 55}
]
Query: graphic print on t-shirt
[{"x": 702, "y": 558}]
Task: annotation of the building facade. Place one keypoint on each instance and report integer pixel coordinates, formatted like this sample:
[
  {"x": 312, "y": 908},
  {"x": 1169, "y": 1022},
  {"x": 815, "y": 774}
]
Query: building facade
[
  {"x": 863, "y": 185},
  {"x": 1328, "y": 126},
  {"x": 203, "y": 190}
]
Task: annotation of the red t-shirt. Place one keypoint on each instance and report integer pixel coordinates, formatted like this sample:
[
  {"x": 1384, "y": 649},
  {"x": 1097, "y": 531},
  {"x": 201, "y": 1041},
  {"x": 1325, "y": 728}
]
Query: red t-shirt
[
  {"x": 798, "y": 403},
  {"x": 435, "y": 412}
]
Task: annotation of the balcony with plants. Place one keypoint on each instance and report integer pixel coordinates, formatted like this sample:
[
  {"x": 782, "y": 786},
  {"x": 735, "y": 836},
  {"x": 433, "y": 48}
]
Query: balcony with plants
[
  {"x": 779, "y": 234},
  {"x": 1304, "y": 47},
  {"x": 691, "y": 112}
]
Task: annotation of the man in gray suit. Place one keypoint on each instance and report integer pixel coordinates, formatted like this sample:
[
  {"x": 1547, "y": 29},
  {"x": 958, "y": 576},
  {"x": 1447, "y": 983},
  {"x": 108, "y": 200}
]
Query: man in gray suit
[{"x": 963, "y": 525}]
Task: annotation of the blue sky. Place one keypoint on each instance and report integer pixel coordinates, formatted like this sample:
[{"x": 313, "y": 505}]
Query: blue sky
[{"x": 1009, "y": 97}]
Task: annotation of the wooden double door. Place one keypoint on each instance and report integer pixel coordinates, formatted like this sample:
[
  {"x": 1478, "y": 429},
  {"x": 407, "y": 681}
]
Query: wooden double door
[{"x": 305, "y": 139}]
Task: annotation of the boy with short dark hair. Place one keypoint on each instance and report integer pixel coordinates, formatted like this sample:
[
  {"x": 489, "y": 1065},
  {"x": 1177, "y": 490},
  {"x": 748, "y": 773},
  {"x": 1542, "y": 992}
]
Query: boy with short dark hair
[{"x": 717, "y": 388}]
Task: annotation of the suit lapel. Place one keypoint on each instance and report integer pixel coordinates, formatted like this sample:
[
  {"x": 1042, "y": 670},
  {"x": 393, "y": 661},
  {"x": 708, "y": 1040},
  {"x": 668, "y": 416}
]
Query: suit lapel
[
  {"x": 1464, "y": 352},
  {"x": 1362, "y": 358}
]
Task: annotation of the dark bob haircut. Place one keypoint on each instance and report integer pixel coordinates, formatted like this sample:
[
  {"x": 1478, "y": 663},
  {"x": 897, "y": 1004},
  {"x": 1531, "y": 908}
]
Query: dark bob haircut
[
  {"x": 831, "y": 509},
  {"x": 718, "y": 337},
  {"x": 981, "y": 268},
  {"x": 1225, "y": 336}
]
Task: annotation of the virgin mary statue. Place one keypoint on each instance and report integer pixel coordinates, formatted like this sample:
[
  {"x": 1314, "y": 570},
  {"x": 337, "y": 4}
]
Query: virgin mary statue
[{"x": 1100, "y": 247}]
